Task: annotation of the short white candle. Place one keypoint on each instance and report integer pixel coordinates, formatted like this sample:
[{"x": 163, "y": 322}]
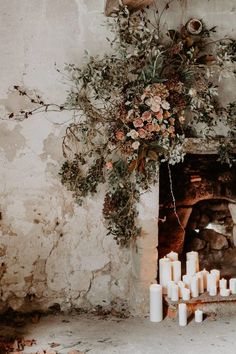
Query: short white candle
[
  {"x": 173, "y": 256},
  {"x": 193, "y": 255},
  {"x": 182, "y": 314},
  {"x": 205, "y": 273},
  {"x": 224, "y": 292},
  {"x": 185, "y": 294},
  {"x": 198, "y": 316},
  {"x": 169, "y": 289},
  {"x": 181, "y": 286},
  {"x": 156, "y": 303},
  {"x": 216, "y": 273},
  {"x": 164, "y": 273},
  {"x": 187, "y": 280},
  {"x": 174, "y": 292},
  {"x": 194, "y": 287},
  {"x": 232, "y": 285},
  {"x": 199, "y": 276},
  {"x": 176, "y": 271},
  {"x": 223, "y": 283}
]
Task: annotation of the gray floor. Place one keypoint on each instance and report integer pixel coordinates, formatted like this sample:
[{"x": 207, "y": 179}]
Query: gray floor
[{"x": 132, "y": 336}]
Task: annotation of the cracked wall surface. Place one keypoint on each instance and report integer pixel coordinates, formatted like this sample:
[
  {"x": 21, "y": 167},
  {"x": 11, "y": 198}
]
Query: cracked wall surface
[{"x": 53, "y": 251}]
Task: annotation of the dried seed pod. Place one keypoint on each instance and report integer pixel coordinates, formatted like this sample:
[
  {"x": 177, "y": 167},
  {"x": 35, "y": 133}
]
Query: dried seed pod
[{"x": 194, "y": 26}]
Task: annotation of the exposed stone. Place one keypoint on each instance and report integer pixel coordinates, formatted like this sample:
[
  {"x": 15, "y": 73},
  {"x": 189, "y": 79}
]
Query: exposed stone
[
  {"x": 232, "y": 209},
  {"x": 234, "y": 235},
  {"x": 216, "y": 241},
  {"x": 197, "y": 244},
  {"x": 203, "y": 222}
]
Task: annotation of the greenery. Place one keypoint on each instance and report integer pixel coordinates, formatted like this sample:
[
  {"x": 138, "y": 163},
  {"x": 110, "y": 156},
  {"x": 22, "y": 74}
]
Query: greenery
[{"x": 135, "y": 107}]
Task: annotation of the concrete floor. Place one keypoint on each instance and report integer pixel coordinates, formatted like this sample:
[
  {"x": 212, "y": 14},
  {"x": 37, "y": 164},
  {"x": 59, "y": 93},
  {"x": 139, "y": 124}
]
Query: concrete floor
[{"x": 111, "y": 335}]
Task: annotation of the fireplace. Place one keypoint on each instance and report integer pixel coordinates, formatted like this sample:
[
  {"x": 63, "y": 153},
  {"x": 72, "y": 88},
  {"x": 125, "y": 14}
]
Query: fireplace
[{"x": 197, "y": 211}]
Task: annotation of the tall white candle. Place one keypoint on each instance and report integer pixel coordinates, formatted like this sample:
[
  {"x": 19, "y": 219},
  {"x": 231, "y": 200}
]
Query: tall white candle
[
  {"x": 164, "y": 273},
  {"x": 193, "y": 255},
  {"x": 156, "y": 303},
  {"x": 182, "y": 314},
  {"x": 223, "y": 283},
  {"x": 194, "y": 286},
  {"x": 211, "y": 284},
  {"x": 198, "y": 316},
  {"x": 191, "y": 267},
  {"x": 199, "y": 276},
  {"x": 211, "y": 281},
  {"x": 173, "y": 256},
  {"x": 232, "y": 285},
  {"x": 174, "y": 292},
  {"x": 216, "y": 273},
  {"x": 176, "y": 271},
  {"x": 185, "y": 294},
  {"x": 224, "y": 292},
  {"x": 205, "y": 273},
  {"x": 187, "y": 280}
]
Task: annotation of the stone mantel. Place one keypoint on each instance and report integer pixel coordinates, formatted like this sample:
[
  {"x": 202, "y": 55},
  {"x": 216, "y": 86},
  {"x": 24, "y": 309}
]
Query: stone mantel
[
  {"x": 207, "y": 146},
  {"x": 134, "y": 5}
]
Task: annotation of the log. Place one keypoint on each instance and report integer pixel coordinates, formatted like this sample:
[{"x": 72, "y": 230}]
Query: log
[{"x": 134, "y": 5}]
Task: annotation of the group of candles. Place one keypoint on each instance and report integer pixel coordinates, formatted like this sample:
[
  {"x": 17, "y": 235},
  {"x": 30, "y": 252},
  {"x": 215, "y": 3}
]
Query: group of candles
[{"x": 193, "y": 283}]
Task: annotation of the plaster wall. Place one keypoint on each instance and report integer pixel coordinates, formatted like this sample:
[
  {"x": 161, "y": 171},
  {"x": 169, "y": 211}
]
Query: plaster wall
[{"x": 51, "y": 250}]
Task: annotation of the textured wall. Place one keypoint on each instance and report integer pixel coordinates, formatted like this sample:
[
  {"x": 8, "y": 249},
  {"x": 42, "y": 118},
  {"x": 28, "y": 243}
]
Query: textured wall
[{"x": 51, "y": 250}]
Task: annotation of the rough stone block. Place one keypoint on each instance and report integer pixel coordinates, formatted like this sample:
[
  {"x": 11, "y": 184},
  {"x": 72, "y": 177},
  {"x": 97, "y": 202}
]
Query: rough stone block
[{"x": 216, "y": 241}]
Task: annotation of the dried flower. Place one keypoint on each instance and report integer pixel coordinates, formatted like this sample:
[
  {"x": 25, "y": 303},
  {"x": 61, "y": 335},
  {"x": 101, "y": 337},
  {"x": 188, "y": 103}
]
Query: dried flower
[
  {"x": 109, "y": 165},
  {"x": 147, "y": 116},
  {"x": 165, "y": 105},
  {"x": 120, "y": 135},
  {"x": 133, "y": 134},
  {"x": 135, "y": 145},
  {"x": 142, "y": 133},
  {"x": 138, "y": 123}
]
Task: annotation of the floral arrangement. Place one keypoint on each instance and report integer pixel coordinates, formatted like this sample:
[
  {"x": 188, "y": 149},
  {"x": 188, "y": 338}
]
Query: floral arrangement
[{"x": 135, "y": 108}]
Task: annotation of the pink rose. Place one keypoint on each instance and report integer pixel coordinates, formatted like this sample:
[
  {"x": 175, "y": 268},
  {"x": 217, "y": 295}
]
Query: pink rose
[
  {"x": 120, "y": 135},
  {"x": 171, "y": 129},
  {"x": 147, "y": 116},
  {"x": 159, "y": 115},
  {"x": 138, "y": 123},
  {"x": 109, "y": 165},
  {"x": 150, "y": 127},
  {"x": 142, "y": 133}
]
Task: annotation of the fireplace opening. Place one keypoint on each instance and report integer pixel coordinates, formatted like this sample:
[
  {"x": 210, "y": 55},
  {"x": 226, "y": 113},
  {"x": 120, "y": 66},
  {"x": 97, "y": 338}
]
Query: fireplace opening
[
  {"x": 209, "y": 231},
  {"x": 198, "y": 211}
]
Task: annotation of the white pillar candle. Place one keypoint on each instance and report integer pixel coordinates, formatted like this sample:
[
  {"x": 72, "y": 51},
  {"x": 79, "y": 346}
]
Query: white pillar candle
[
  {"x": 211, "y": 281},
  {"x": 198, "y": 316},
  {"x": 176, "y": 271},
  {"x": 182, "y": 314},
  {"x": 185, "y": 294},
  {"x": 169, "y": 288},
  {"x": 194, "y": 286},
  {"x": 193, "y": 255},
  {"x": 232, "y": 285},
  {"x": 156, "y": 303},
  {"x": 216, "y": 273},
  {"x": 164, "y": 273},
  {"x": 224, "y": 292},
  {"x": 205, "y": 273},
  {"x": 199, "y": 276},
  {"x": 187, "y": 280},
  {"x": 174, "y": 292},
  {"x": 181, "y": 286},
  {"x": 223, "y": 283},
  {"x": 173, "y": 256},
  {"x": 191, "y": 267}
]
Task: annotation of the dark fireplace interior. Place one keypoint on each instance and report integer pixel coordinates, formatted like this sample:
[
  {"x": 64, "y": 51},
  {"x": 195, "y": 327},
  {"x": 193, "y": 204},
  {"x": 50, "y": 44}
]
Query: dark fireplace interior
[{"x": 205, "y": 200}]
